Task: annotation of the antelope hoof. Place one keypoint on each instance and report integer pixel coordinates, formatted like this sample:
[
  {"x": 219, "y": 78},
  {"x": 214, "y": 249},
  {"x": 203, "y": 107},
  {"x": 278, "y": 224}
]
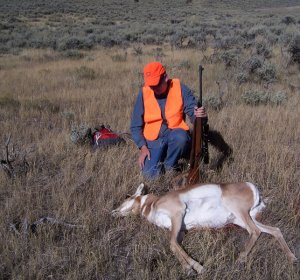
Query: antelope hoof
[
  {"x": 293, "y": 259},
  {"x": 198, "y": 267},
  {"x": 242, "y": 258}
]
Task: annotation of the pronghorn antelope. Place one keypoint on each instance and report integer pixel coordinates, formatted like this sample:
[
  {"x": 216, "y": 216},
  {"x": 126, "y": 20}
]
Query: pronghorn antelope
[{"x": 203, "y": 205}]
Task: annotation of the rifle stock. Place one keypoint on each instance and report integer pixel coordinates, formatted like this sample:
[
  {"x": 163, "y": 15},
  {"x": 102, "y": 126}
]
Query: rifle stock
[{"x": 199, "y": 150}]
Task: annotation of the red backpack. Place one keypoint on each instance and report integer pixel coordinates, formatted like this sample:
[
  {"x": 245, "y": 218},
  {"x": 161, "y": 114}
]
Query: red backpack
[{"x": 103, "y": 136}]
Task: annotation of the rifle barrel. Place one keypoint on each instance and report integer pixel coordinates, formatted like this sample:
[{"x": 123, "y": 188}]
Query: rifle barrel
[{"x": 200, "y": 86}]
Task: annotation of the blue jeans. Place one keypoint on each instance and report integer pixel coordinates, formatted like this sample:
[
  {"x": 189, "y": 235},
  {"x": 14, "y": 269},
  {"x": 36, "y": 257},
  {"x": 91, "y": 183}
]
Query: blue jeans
[{"x": 166, "y": 151}]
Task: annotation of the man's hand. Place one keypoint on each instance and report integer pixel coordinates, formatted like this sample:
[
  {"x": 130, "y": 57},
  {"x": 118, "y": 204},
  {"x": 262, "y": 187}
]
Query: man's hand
[
  {"x": 200, "y": 112},
  {"x": 143, "y": 154}
]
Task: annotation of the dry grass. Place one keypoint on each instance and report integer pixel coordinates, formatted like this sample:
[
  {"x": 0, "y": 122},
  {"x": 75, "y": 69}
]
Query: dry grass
[{"x": 82, "y": 187}]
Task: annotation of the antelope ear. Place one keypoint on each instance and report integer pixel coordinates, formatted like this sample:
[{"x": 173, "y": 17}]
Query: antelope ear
[{"x": 140, "y": 189}]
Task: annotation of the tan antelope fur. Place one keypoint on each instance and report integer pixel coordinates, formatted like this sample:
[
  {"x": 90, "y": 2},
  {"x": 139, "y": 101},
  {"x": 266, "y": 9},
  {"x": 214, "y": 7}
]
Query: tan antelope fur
[{"x": 203, "y": 205}]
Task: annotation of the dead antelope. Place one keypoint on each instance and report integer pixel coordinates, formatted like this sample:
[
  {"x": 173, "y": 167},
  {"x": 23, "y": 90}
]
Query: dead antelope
[{"x": 203, "y": 205}]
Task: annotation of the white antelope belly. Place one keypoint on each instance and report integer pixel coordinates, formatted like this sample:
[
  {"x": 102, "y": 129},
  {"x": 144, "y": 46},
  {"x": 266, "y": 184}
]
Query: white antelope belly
[
  {"x": 207, "y": 212},
  {"x": 161, "y": 219}
]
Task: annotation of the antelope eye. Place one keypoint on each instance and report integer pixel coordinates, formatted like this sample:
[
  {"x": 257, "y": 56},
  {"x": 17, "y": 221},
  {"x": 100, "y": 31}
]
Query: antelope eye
[{"x": 128, "y": 195}]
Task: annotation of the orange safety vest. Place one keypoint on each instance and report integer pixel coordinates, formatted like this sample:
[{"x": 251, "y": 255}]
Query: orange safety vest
[{"x": 173, "y": 111}]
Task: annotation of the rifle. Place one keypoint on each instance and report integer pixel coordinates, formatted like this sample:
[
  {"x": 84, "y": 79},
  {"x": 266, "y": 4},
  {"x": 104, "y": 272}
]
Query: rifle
[{"x": 199, "y": 151}]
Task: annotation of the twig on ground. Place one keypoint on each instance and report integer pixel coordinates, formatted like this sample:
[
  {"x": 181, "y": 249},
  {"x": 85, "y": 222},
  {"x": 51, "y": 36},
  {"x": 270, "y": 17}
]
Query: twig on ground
[
  {"x": 25, "y": 225},
  {"x": 14, "y": 229},
  {"x": 6, "y": 163},
  {"x": 53, "y": 221}
]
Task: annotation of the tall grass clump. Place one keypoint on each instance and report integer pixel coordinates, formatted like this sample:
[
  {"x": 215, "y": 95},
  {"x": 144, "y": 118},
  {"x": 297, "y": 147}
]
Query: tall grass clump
[
  {"x": 84, "y": 72},
  {"x": 214, "y": 102},
  {"x": 8, "y": 102}
]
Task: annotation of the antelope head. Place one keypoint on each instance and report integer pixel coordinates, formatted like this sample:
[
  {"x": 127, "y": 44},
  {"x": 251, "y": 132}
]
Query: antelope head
[{"x": 131, "y": 204}]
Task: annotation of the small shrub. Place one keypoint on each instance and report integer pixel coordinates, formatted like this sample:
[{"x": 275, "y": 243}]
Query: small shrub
[
  {"x": 85, "y": 72},
  {"x": 185, "y": 64},
  {"x": 226, "y": 43},
  {"x": 4, "y": 49},
  {"x": 4, "y": 38},
  {"x": 176, "y": 39},
  {"x": 18, "y": 41},
  {"x": 272, "y": 38},
  {"x": 79, "y": 134},
  {"x": 89, "y": 30},
  {"x": 188, "y": 42},
  {"x": 258, "y": 30},
  {"x": 266, "y": 73},
  {"x": 261, "y": 97},
  {"x": 261, "y": 48},
  {"x": 211, "y": 31},
  {"x": 75, "y": 43},
  {"x": 159, "y": 53},
  {"x": 150, "y": 39},
  {"x": 72, "y": 54},
  {"x": 230, "y": 58},
  {"x": 200, "y": 41},
  {"x": 287, "y": 38},
  {"x": 40, "y": 40},
  {"x": 277, "y": 30},
  {"x": 213, "y": 101},
  {"x": 69, "y": 43},
  {"x": 294, "y": 49},
  {"x": 288, "y": 20},
  {"x": 242, "y": 77},
  {"x": 107, "y": 40},
  {"x": 252, "y": 64},
  {"x": 247, "y": 35},
  {"x": 175, "y": 21},
  {"x": 215, "y": 57},
  {"x": 277, "y": 98},
  {"x": 138, "y": 50},
  {"x": 255, "y": 97},
  {"x": 257, "y": 70}
]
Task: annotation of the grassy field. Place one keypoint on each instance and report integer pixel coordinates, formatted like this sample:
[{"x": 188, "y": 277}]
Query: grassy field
[
  {"x": 64, "y": 25},
  {"x": 251, "y": 91}
]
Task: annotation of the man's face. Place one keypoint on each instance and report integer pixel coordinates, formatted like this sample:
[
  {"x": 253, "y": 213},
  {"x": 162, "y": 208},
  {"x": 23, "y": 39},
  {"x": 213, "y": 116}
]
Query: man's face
[{"x": 162, "y": 86}]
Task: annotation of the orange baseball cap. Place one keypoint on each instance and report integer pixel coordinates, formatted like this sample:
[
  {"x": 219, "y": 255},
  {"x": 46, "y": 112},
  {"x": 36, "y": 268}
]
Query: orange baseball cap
[{"x": 152, "y": 73}]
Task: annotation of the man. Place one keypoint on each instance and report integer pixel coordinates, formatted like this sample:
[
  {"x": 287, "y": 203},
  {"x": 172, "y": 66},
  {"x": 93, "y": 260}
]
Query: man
[{"x": 158, "y": 124}]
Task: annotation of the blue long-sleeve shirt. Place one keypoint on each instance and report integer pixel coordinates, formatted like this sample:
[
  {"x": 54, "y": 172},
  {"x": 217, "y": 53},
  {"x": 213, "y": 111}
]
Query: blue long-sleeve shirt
[{"x": 137, "y": 120}]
